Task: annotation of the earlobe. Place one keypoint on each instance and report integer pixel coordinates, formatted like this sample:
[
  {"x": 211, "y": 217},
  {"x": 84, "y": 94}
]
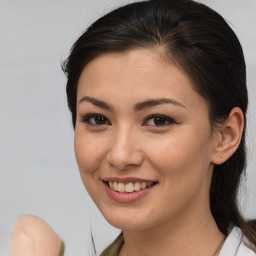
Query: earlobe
[{"x": 228, "y": 137}]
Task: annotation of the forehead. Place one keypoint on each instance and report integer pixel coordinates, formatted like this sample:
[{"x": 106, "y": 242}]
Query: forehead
[
  {"x": 132, "y": 64},
  {"x": 136, "y": 74}
]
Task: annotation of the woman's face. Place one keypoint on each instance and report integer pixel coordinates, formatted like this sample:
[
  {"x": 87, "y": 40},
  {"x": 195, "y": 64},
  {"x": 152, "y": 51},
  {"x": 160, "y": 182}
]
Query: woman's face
[{"x": 143, "y": 140}]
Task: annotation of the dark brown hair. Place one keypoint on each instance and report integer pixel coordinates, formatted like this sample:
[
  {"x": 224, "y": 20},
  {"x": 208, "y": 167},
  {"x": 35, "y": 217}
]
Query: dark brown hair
[{"x": 199, "y": 41}]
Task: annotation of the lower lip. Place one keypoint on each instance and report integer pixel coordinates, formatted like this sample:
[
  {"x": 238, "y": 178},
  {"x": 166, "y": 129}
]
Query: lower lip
[{"x": 127, "y": 197}]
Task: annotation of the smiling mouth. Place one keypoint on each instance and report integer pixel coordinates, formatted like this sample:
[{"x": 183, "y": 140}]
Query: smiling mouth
[{"x": 129, "y": 187}]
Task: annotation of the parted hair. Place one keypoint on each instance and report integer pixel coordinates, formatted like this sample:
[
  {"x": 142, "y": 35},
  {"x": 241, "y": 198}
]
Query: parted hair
[{"x": 200, "y": 42}]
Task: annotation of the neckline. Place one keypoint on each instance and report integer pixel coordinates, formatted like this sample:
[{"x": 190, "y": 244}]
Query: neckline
[{"x": 219, "y": 249}]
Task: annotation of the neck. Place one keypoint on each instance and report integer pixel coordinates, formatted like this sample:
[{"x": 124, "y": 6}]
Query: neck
[{"x": 188, "y": 236}]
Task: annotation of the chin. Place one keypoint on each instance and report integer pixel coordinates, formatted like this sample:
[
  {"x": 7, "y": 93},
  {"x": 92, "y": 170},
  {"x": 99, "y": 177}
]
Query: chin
[
  {"x": 126, "y": 219},
  {"x": 127, "y": 225}
]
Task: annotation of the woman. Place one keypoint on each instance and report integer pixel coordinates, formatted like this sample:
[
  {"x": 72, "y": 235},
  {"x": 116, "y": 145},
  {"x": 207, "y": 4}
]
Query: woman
[{"x": 157, "y": 92}]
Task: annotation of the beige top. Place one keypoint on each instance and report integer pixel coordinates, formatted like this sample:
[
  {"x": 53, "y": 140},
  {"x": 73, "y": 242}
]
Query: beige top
[
  {"x": 236, "y": 244},
  {"x": 62, "y": 249},
  {"x": 114, "y": 248}
]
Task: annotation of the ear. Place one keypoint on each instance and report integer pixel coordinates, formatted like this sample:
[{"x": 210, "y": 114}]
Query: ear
[{"x": 228, "y": 137}]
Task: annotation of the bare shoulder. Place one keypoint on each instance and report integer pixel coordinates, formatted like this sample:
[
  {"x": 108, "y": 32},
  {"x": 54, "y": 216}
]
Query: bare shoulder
[{"x": 33, "y": 236}]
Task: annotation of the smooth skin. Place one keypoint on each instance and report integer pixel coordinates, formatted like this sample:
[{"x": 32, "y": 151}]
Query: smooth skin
[{"x": 116, "y": 136}]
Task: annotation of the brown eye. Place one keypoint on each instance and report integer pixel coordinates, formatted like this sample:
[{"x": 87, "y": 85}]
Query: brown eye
[
  {"x": 158, "y": 120},
  {"x": 100, "y": 120},
  {"x": 95, "y": 119}
]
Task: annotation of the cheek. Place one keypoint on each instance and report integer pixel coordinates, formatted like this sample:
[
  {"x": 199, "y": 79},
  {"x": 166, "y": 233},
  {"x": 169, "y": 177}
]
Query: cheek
[
  {"x": 181, "y": 155},
  {"x": 183, "y": 165},
  {"x": 89, "y": 151}
]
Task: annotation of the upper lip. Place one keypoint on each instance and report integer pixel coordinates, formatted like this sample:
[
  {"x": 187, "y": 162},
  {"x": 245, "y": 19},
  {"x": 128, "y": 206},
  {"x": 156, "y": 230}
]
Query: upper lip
[{"x": 127, "y": 179}]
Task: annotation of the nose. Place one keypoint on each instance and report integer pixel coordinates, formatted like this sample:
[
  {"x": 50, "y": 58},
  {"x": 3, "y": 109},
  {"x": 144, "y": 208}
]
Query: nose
[{"x": 125, "y": 150}]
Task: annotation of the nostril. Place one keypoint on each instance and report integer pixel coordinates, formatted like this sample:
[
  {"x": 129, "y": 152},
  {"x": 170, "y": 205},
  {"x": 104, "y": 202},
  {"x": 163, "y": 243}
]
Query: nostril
[{"x": 123, "y": 159}]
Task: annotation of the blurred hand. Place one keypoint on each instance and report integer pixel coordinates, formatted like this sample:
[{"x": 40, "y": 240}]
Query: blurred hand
[{"x": 32, "y": 236}]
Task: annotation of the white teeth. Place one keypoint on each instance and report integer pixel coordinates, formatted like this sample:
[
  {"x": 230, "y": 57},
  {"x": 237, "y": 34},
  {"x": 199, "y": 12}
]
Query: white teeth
[
  {"x": 143, "y": 185},
  {"x": 120, "y": 187},
  {"x": 137, "y": 186},
  {"x": 115, "y": 185},
  {"x": 129, "y": 187}
]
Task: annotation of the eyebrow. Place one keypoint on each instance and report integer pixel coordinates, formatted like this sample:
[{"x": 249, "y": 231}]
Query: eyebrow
[
  {"x": 96, "y": 102},
  {"x": 138, "y": 107},
  {"x": 155, "y": 102}
]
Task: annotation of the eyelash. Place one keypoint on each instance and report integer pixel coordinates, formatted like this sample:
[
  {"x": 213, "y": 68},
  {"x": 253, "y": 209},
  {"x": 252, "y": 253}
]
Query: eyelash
[
  {"x": 166, "y": 119},
  {"x": 86, "y": 119}
]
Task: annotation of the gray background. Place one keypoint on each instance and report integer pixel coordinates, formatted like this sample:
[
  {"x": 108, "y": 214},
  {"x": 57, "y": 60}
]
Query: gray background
[{"x": 38, "y": 172}]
